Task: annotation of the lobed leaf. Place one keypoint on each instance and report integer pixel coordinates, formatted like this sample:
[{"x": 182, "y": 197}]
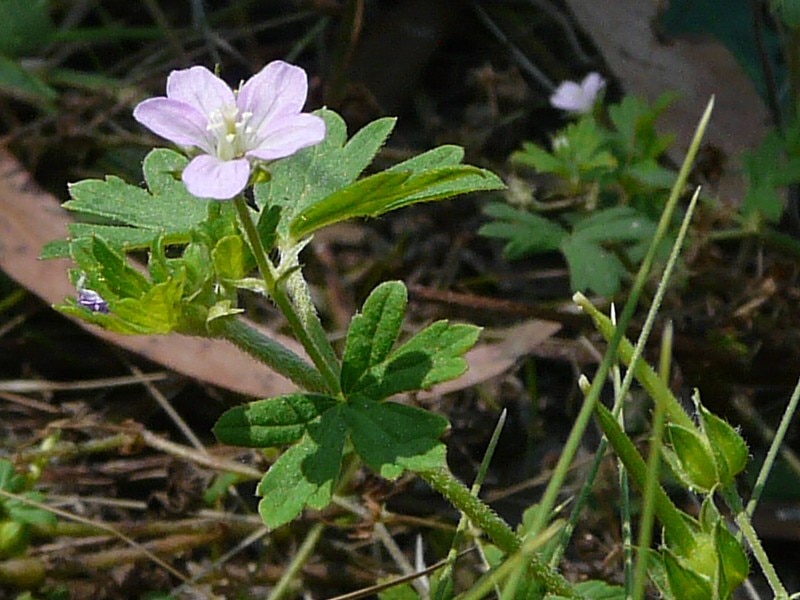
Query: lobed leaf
[
  {"x": 373, "y": 332},
  {"x": 391, "y": 190},
  {"x": 300, "y": 180},
  {"x": 304, "y": 475},
  {"x": 271, "y": 422},
  {"x": 130, "y": 217},
  {"x": 391, "y": 438},
  {"x": 432, "y": 356}
]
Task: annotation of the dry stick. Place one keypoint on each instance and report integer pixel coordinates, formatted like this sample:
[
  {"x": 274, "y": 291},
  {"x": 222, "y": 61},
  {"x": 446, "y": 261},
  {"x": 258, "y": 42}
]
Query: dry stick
[
  {"x": 387, "y": 540},
  {"x": 250, "y": 539},
  {"x": 201, "y": 458},
  {"x": 101, "y": 526},
  {"x": 171, "y": 412},
  {"x": 22, "y": 386}
]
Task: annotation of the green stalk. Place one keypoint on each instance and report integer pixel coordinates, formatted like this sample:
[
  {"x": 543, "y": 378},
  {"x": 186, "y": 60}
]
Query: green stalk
[
  {"x": 748, "y": 531},
  {"x": 497, "y": 529},
  {"x": 445, "y": 587},
  {"x": 312, "y": 342},
  {"x": 644, "y": 373},
  {"x": 774, "y": 448},
  {"x": 273, "y": 354},
  {"x": 572, "y": 444},
  {"x": 298, "y": 560},
  {"x": 651, "y": 482},
  {"x": 668, "y": 514}
]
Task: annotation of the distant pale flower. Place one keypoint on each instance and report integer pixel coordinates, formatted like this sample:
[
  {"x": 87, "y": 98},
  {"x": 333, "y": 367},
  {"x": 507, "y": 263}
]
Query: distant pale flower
[
  {"x": 578, "y": 97},
  {"x": 231, "y": 130},
  {"x": 92, "y": 300}
]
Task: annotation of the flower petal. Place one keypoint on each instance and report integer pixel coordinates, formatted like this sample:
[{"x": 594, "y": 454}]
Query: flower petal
[
  {"x": 200, "y": 88},
  {"x": 278, "y": 90},
  {"x": 568, "y": 96},
  {"x": 592, "y": 84},
  {"x": 209, "y": 177},
  {"x": 292, "y": 134},
  {"x": 175, "y": 121}
]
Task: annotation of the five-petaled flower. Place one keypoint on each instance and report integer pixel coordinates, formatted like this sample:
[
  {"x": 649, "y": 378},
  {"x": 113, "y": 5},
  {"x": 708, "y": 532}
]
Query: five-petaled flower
[
  {"x": 578, "y": 97},
  {"x": 229, "y": 131}
]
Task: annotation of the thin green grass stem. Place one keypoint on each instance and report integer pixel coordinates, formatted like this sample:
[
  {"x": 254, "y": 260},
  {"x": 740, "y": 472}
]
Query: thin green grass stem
[
  {"x": 525, "y": 554},
  {"x": 748, "y": 531},
  {"x": 314, "y": 342},
  {"x": 774, "y": 448},
  {"x": 647, "y": 520},
  {"x": 572, "y": 444},
  {"x": 445, "y": 587},
  {"x": 624, "y": 489},
  {"x": 283, "y": 587}
]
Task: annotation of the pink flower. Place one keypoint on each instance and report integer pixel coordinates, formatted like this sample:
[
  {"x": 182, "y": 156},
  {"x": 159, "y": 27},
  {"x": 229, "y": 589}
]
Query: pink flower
[
  {"x": 578, "y": 97},
  {"x": 231, "y": 130}
]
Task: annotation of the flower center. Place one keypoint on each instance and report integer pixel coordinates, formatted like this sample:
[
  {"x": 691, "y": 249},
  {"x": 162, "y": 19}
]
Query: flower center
[{"x": 232, "y": 134}]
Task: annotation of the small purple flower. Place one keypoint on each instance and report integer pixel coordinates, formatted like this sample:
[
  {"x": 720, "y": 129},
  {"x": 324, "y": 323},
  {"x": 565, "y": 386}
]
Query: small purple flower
[
  {"x": 230, "y": 130},
  {"x": 92, "y": 300},
  {"x": 578, "y": 97}
]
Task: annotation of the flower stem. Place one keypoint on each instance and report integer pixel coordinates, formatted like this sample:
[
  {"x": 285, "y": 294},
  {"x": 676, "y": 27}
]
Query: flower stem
[
  {"x": 313, "y": 344},
  {"x": 496, "y": 528},
  {"x": 268, "y": 351}
]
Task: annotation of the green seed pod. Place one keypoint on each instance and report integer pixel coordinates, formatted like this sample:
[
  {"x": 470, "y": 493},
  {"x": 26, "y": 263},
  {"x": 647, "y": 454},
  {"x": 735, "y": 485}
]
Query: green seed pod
[
  {"x": 684, "y": 582},
  {"x": 734, "y": 566},
  {"x": 695, "y": 460},
  {"x": 730, "y": 450}
]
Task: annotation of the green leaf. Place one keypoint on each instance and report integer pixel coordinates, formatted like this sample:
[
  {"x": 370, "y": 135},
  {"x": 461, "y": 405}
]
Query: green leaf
[
  {"x": 135, "y": 215},
  {"x": 526, "y": 233},
  {"x": 9, "y": 480},
  {"x": 592, "y": 267},
  {"x": 271, "y": 422},
  {"x": 540, "y": 159},
  {"x": 304, "y": 475},
  {"x": 391, "y": 190},
  {"x": 158, "y": 311},
  {"x": 733, "y": 560},
  {"x": 30, "y": 515},
  {"x": 267, "y": 226},
  {"x": 432, "y": 356},
  {"x": 373, "y": 332},
  {"x": 108, "y": 272},
  {"x": 391, "y": 438},
  {"x": 298, "y": 181},
  {"x": 228, "y": 258},
  {"x": 652, "y": 174},
  {"x": 595, "y": 590},
  {"x": 19, "y": 82},
  {"x": 25, "y": 26},
  {"x": 615, "y": 224}
]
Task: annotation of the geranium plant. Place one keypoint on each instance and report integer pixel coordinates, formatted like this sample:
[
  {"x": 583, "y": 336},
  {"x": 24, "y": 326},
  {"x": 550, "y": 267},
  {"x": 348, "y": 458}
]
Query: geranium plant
[{"x": 254, "y": 179}]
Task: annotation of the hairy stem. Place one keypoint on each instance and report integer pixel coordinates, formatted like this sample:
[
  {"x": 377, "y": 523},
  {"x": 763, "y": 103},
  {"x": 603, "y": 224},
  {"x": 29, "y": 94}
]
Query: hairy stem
[
  {"x": 273, "y": 354},
  {"x": 314, "y": 343},
  {"x": 497, "y": 529}
]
